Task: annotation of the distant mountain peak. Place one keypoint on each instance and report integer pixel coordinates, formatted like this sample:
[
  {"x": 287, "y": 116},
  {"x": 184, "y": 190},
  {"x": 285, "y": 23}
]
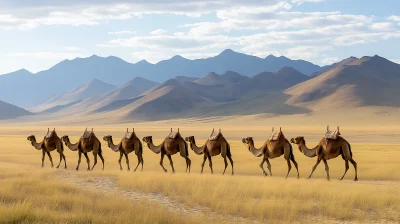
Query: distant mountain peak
[
  {"x": 270, "y": 57},
  {"x": 228, "y": 52},
  {"x": 178, "y": 57},
  {"x": 144, "y": 62}
]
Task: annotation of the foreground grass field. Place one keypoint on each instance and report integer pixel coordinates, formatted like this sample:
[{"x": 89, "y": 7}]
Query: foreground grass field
[{"x": 31, "y": 194}]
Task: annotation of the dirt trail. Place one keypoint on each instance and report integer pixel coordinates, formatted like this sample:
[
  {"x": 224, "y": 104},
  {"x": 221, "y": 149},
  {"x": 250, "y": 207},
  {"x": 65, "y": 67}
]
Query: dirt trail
[{"x": 108, "y": 185}]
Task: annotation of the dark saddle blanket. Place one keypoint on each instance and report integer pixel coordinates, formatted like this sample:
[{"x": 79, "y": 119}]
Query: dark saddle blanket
[
  {"x": 174, "y": 135},
  {"x": 88, "y": 134},
  {"x": 129, "y": 135},
  {"x": 275, "y": 135},
  {"x": 50, "y": 134},
  {"x": 333, "y": 135},
  {"x": 215, "y": 136}
]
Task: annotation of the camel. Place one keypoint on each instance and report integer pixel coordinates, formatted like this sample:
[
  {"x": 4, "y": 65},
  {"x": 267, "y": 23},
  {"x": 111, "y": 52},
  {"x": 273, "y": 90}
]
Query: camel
[
  {"x": 50, "y": 143},
  {"x": 129, "y": 143},
  {"x": 276, "y": 146},
  {"x": 214, "y": 146},
  {"x": 171, "y": 145},
  {"x": 87, "y": 143},
  {"x": 328, "y": 149}
]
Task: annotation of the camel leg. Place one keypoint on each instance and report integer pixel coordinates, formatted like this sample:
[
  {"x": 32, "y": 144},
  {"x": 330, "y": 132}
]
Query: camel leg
[
  {"x": 289, "y": 167},
  {"x": 268, "y": 166},
  {"x": 87, "y": 160},
  {"x": 51, "y": 159},
  {"x": 95, "y": 160},
  {"x": 141, "y": 160},
  {"x": 262, "y": 166},
  {"x": 171, "y": 163},
  {"x": 326, "y": 169},
  {"x": 65, "y": 161},
  {"x": 226, "y": 164},
  {"x": 79, "y": 160},
  {"x": 295, "y": 165},
  {"x": 127, "y": 161},
  {"x": 210, "y": 163},
  {"x": 231, "y": 161},
  {"x": 355, "y": 168},
  {"x": 314, "y": 167},
  {"x": 346, "y": 164},
  {"x": 204, "y": 162},
  {"x": 138, "y": 163},
  {"x": 102, "y": 159},
  {"x": 161, "y": 161},
  {"x": 188, "y": 163},
  {"x": 43, "y": 155},
  {"x": 119, "y": 160},
  {"x": 60, "y": 161}
]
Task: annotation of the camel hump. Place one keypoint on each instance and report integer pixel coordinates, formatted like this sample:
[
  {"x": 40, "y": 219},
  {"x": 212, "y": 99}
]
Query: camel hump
[
  {"x": 332, "y": 135},
  {"x": 214, "y": 136},
  {"x": 50, "y": 134},
  {"x": 275, "y": 135}
]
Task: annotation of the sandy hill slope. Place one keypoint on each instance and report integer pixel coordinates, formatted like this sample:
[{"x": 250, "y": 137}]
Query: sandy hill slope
[
  {"x": 337, "y": 64},
  {"x": 269, "y": 82},
  {"x": 234, "y": 77},
  {"x": 131, "y": 89},
  {"x": 93, "y": 88},
  {"x": 166, "y": 102},
  {"x": 368, "y": 81},
  {"x": 212, "y": 79},
  {"x": 9, "y": 111}
]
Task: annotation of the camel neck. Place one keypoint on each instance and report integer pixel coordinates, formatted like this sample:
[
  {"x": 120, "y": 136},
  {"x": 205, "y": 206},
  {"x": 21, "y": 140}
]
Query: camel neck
[
  {"x": 309, "y": 152},
  {"x": 197, "y": 150},
  {"x": 155, "y": 149},
  {"x": 113, "y": 147},
  {"x": 256, "y": 152},
  {"x": 71, "y": 146},
  {"x": 37, "y": 145}
]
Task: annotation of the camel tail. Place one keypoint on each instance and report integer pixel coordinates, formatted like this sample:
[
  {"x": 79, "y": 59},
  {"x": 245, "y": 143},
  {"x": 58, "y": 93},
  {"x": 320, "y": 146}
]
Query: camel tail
[
  {"x": 228, "y": 150},
  {"x": 351, "y": 153}
]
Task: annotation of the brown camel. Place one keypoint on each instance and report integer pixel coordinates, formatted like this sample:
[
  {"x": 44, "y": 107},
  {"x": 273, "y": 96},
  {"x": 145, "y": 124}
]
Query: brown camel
[
  {"x": 129, "y": 143},
  {"x": 328, "y": 149},
  {"x": 274, "y": 147},
  {"x": 215, "y": 145},
  {"x": 171, "y": 145},
  {"x": 87, "y": 143},
  {"x": 50, "y": 143}
]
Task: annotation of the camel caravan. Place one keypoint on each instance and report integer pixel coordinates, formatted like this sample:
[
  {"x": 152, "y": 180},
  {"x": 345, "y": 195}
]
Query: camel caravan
[{"x": 329, "y": 147}]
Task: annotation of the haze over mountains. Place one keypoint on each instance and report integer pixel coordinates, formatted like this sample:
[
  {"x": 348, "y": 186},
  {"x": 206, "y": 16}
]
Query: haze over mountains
[
  {"x": 70, "y": 74},
  {"x": 350, "y": 83}
]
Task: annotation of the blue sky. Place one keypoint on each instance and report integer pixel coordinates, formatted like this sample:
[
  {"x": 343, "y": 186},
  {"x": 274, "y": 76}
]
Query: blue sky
[{"x": 38, "y": 34}]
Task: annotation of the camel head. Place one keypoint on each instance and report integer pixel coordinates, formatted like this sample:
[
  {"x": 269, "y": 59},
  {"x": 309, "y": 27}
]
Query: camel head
[
  {"x": 190, "y": 139},
  {"x": 65, "y": 138},
  {"x": 31, "y": 138},
  {"x": 298, "y": 141},
  {"x": 247, "y": 140},
  {"x": 107, "y": 138},
  {"x": 148, "y": 139}
]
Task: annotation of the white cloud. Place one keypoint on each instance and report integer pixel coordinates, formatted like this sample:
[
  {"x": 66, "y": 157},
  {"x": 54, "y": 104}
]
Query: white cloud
[
  {"x": 394, "y": 18},
  {"x": 299, "y": 2},
  {"x": 121, "y": 32},
  {"x": 70, "y": 48},
  {"x": 159, "y": 32},
  {"x": 47, "y": 55},
  {"x": 384, "y": 26}
]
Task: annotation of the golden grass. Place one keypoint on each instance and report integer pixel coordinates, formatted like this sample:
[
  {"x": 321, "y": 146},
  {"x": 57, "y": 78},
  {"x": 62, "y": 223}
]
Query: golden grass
[{"x": 375, "y": 198}]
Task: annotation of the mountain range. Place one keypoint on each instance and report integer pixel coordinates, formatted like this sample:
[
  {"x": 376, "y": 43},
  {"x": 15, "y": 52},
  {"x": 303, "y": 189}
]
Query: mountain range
[
  {"x": 69, "y": 74},
  {"x": 350, "y": 83}
]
